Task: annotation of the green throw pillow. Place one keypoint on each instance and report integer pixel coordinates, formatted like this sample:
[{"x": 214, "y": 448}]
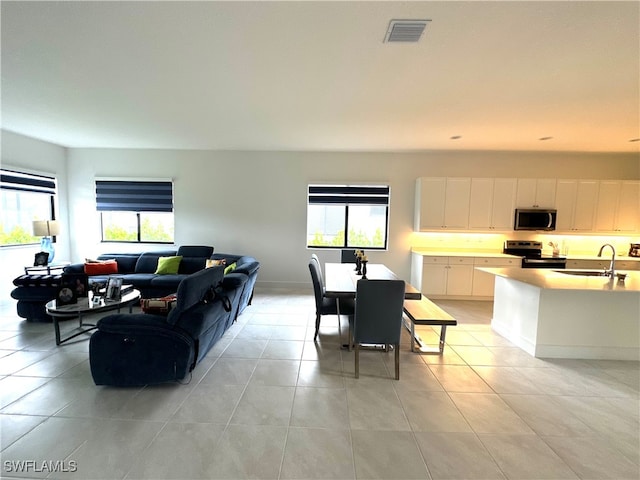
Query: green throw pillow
[
  {"x": 168, "y": 265},
  {"x": 230, "y": 268}
]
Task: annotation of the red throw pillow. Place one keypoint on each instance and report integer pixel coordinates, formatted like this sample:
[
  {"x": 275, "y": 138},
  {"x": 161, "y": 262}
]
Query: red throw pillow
[{"x": 105, "y": 267}]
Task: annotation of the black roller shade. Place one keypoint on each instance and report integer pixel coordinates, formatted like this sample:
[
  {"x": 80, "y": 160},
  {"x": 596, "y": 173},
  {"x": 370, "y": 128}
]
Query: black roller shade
[
  {"x": 348, "y": 195},
  {"x": 134, "y": 196},
  {"x": 27, "y": 182}
]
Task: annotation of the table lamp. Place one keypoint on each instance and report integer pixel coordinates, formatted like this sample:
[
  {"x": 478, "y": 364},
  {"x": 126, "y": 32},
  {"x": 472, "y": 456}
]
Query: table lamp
[{"x": 46, "y": 229}]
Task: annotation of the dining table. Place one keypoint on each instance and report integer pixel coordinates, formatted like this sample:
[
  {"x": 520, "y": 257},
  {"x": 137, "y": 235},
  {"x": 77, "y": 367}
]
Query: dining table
[{"x": 341, "y": 281}]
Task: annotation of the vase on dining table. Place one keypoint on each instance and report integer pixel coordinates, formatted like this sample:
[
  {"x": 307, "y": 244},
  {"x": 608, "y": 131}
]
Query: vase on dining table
[{"x": 364, "y": 269}]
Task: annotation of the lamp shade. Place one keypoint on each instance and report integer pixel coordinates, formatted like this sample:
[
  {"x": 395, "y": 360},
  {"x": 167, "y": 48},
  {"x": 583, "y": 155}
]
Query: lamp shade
[{"x": 46, "y": 228}]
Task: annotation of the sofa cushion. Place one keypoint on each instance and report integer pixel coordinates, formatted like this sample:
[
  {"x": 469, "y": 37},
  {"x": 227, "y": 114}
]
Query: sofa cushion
[
  {"x": 148, "y": 261},
  {"x": 228, "y": 257},
  {"x": 126, "y": 261},
  {"x": 215, "y": 263},
  {"x": 190, "y": 265},
  {"x": 101, "y": 267},
  {"x": 167, "y": 281},
  {"x": 168, "y": 265},
  {"x": 195, "y": 251},
  {"x": 195, "y": 289},
  {"x": 138, "y": 279},
  {"x": 230, "y": 268}
]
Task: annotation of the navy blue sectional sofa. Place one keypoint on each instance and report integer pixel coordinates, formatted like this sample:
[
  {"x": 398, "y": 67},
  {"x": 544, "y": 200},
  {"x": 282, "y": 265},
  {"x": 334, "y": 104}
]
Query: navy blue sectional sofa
[
  {"x": 33, "y": 291},
  {"x": 138, "y": 269},
  {"x": 143, "y": 349}
]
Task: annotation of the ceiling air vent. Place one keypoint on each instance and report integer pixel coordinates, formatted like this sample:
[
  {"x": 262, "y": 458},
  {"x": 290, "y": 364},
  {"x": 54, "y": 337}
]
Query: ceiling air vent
[{"x": 406, "y": 31}]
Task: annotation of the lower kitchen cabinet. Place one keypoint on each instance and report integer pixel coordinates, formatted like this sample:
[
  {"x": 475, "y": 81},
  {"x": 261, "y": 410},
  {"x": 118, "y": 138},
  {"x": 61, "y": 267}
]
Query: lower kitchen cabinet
[
  {"x": 456, "y": 276},
  {"x": 483, "y": 282},
  {"x": 450, "y": 276}
]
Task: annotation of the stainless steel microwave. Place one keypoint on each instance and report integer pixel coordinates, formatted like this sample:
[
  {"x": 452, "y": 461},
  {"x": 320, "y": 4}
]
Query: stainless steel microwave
[{"x": 535, "y": 219}]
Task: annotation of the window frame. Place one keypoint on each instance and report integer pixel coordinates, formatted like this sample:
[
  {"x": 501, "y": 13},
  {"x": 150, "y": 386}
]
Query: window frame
[
  {"x": 347, "y": 195},
  {"x": 32, "y": 182},
  {"x": 128, "y": 205}
]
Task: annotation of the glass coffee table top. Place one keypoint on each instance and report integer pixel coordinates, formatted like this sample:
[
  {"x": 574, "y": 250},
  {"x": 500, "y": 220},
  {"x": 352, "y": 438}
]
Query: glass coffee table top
[{"x": 85, "y": 306}]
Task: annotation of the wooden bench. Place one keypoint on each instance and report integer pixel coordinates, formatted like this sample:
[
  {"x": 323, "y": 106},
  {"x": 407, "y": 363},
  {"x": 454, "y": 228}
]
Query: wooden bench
[{"x": 425, "y": 312}]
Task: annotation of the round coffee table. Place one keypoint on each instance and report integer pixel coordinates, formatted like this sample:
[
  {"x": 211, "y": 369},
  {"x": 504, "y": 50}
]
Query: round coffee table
[{"x": 84, "y": 306}]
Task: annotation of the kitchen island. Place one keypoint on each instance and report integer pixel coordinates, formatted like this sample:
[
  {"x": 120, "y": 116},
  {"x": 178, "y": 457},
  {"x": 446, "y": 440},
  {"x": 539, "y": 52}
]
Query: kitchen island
[{"x": 565, "y": 314}]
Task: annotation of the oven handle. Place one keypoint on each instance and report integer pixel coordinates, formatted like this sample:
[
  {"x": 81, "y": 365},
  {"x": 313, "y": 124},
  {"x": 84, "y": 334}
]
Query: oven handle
[{"x": 533, "y": 260}]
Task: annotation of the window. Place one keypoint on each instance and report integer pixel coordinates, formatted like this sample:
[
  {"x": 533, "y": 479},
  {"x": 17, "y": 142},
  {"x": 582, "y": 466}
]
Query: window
[
  {"x": 25, "y": 197},
  {"x": 346, "y": 216},
  {"x": 135, "y": 211}
]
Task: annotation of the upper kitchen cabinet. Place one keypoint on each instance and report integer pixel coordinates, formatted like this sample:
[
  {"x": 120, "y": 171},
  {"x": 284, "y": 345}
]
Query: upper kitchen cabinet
[
  {"x": 442, "y": 203},
  {"x": 491, "y": 203},
  {"x": 536, "y": 193},
  {"x": 618, "y": 208},
  {"x": 576, "y": 202}
]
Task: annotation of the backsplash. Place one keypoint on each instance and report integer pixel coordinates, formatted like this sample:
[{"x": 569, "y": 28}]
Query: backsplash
[{"x": 493, "y": 242}]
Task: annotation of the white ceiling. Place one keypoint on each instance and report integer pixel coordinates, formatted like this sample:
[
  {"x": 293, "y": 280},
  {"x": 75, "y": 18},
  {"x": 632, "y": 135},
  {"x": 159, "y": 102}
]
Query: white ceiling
[{"x": 317, "y": 75}]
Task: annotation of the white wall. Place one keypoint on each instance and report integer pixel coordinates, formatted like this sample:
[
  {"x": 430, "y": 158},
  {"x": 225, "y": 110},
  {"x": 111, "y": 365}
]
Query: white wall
[
  {"x": 31, "y": 155},
  {"x": 255, "y": 202}
]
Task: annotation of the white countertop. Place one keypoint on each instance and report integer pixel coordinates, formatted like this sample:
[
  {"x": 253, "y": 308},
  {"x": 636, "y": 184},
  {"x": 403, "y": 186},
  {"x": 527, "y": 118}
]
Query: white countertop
[
  {"x": 550, "y": 279},
  {"x": 459, "y": 253},
  {"x": 495, "y": 254}
]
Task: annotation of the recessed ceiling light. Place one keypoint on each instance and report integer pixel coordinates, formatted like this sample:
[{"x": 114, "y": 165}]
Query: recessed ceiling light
[
  {"x": 635, "y": 140},
  {"x": 545, "y": 138},
  {"x": 405, "y": 31}
]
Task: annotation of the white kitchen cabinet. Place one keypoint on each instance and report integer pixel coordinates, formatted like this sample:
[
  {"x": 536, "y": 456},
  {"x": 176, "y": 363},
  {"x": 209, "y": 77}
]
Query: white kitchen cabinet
[
  {"x": 491, "y": 203},
  {"x": 618, "y": 208},
  {"x": 442, "y": 203},
  {"x": 536, "y": 193},
  {"x": 608, "y": 196},
  {"x": 483, "y": 282},
  {"x": 447, "y": 276},
  {"x": 434, "y": 275},
  {"x": 628, "y": 214},
  {"x": 576, "y": 204},
  {"x": 459, "y": 276}
]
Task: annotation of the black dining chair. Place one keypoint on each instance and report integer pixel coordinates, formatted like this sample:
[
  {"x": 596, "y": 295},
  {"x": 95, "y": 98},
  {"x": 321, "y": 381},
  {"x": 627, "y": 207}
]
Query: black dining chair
[
  {"x": 324, "y": 304},
  {"x": 378, "y": 316},
  {"x": 348, "y": 256}
]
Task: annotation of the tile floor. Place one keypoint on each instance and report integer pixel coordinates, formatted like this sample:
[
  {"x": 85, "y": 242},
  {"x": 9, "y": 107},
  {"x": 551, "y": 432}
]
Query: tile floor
[{"x": 268, "y": 402}]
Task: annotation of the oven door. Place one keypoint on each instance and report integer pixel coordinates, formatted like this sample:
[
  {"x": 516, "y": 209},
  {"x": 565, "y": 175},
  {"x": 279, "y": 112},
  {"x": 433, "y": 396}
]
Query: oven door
[{"x": 557, "y": 263}]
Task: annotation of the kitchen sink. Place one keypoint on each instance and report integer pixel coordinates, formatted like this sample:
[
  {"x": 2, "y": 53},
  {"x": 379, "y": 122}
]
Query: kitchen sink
[{"x": 583, "y": 273}]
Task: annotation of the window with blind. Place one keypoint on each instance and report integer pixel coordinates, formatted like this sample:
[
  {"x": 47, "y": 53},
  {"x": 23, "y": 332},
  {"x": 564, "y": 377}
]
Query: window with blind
[
  {"x": 347, "y": 216},
  {"x": 25, "y": 197},
  {"x": 135, "y": 210}
]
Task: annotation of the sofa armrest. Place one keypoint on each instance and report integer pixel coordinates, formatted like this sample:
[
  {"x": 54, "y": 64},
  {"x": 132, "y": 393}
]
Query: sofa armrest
[
  {"x": 248, "y": 268},
  {"x": 74, "y": 268},
  {"x": 234, "y": 280}
]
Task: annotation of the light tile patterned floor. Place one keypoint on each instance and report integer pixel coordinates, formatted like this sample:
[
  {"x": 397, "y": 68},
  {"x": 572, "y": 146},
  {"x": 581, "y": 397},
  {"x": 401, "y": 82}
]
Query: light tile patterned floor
[{"x": 268, "y": 402}]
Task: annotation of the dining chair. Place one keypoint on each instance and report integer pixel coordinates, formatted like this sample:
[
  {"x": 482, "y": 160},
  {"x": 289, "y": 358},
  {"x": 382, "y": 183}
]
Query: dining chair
[
  {"x": 348, "y": 256},
  {"x": 378, "y": 317},
  {"x": 324, "y": 304}
]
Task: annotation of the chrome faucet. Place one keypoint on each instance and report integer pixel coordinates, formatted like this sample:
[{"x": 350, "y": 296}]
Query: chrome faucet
[{"x": 612, "y": 267}]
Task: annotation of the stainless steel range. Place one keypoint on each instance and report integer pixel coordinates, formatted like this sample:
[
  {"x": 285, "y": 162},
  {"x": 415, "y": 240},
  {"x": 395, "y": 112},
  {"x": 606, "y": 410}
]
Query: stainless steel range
[{"x": 531, "y": 253}]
